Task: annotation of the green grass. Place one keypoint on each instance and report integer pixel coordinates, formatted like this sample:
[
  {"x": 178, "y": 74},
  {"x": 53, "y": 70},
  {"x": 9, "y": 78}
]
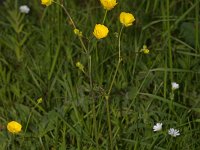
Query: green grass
[{"x": 114, "y": 103}]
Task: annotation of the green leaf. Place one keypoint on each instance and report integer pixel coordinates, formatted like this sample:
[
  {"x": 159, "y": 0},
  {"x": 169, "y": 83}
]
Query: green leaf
[
  {"x": 188, "y": 32},
  {"x": 163, "y": 100}
]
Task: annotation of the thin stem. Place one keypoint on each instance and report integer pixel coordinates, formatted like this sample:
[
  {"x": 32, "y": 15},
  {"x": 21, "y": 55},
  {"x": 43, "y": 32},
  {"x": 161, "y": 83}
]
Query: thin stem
[
  {"x": 18, "y": 48},
  {"x": 169, "y": 42},
  {"x": 67, "y": 13},
  {"x": 163, "y": 9},
  {"x": 135, "y": 62},
  {"x": 93, "y": 108},
  {"x": 197, "y": 44},
  {"x": 73, "y": 24},
  {"x": 169, "y": 50},
  {"x": 110, "y": 88},
  {"x": 29, "y": 117},
  {"x": 118, "y": 63},
  {"x": 104, "y": 18},
  {"x": 109, "y": 122}
]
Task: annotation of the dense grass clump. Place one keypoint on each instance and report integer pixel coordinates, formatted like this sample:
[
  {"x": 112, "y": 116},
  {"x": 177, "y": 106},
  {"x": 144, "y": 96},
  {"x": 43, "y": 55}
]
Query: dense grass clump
[{"x": 94, "y": 75}]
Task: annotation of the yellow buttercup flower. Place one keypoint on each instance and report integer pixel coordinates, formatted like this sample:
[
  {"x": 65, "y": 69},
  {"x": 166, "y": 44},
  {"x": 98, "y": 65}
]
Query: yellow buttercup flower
[
  {"x": 46, "y": 2},
  {"x": 108, "y": 4},
  {"x": 100, "y": 31},
  {"x": 14, "y": 127},
  {"x": 126, "y": 19},
  {"x": 144, "y": 49}
]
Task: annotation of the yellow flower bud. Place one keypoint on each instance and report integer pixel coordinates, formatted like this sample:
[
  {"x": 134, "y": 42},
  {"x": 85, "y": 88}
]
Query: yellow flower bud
[
  {"x": 39, "y": 100},
  {"x": 46, "y": 2},
  {"x": 126, "y": 19},
  {"x": 145, "y": 50},
  {"x": 100, "y": 31},
  {"x": 14, "y": 127},
  {"x": 108, "y": 4},
  {"x": 78, "y": 32},
  {"x": 80, "y": 66}
]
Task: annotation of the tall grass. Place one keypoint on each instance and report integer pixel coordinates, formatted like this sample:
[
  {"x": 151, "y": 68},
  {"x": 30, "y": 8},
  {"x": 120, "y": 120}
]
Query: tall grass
[{"x": 121, "y": 93}]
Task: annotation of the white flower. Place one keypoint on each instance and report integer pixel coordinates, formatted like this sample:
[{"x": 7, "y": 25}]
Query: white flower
[
  {"x": 173, "y": 132},
  {"x": 24, "y": 9},
  {"x": 157, "y": 127},
  {"x": 175, "y": 85}
]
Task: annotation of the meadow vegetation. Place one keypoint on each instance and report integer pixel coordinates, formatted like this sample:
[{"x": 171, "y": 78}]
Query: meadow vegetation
[{"x": 133, "y": 83}]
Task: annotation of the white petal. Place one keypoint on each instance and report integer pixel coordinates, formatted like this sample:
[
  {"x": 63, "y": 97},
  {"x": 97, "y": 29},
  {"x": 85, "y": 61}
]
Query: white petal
[{"x": 24, "y": 9}]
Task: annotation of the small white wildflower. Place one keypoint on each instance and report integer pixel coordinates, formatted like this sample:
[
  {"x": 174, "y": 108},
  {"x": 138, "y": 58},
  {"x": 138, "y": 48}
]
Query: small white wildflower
[
  {"x": 157, "y": 127},
  {"x": 175, "y": 85},
  {"x": 173, "y": 132},
  {"x": 24, "y": 9}
]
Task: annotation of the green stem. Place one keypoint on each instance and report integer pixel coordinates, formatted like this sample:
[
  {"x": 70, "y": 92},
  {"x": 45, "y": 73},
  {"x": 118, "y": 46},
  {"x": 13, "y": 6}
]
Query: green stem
[
  {"x": 169, "y": 42},
  {"x": 110, "y": 88},
  {"x": 197, "y": 44},
  {"x": 17, "y": 51},
  {"x": 109, "y": 122},
  {"x": 18, "y": 48},
  {"x": 11, "y": 143},
  {"x": 54, "y": 62},
  {"x": 104, "y": 18},
  {"x": 136, "y": 58},
  {"x": 118, "y": 63},
  {"x": 73, "y": 24},
  {"x": 169, "y": 49},
  {"x": 165, "y": 76},
  {"x": 29, "y": 117},
  {"x": 93, "y": 108}
]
